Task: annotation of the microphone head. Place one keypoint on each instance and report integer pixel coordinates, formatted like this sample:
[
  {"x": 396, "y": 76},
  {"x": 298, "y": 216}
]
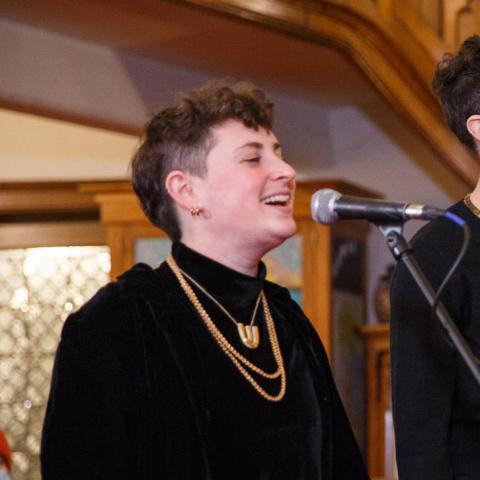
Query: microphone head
[{"x": 323, "y": 206}]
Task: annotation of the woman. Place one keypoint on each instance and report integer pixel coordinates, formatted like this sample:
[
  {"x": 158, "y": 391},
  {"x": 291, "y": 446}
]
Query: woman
[{"x": 201, "y": 369}]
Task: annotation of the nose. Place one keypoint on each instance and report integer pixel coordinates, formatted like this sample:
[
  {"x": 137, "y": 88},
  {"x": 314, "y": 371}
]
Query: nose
[{"x": 282, "y": 170}]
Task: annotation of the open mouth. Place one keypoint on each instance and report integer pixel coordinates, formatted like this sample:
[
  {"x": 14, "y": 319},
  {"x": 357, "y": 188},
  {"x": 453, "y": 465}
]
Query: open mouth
[{"x": 281, "y": 199}]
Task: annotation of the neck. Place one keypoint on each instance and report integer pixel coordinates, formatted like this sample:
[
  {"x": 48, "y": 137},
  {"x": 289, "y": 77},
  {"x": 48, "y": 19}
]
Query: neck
[
  {"x": 475, "y": 195},
  {"x": 240, "y": 261}
]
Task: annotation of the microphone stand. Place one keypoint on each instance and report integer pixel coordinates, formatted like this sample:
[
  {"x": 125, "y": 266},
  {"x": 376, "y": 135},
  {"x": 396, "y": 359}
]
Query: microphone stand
[{"x": 402, "y": 251}]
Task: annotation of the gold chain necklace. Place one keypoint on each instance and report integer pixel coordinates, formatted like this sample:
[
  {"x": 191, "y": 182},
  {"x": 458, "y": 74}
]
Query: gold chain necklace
[
  {"x": 240, "y": 362},
  {"x": 248, "y": 333},
  {"x": 468, "y": 202}
]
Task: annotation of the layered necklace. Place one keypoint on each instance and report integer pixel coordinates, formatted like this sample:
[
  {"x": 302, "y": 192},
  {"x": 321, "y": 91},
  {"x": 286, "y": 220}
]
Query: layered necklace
[
  {"x": 249, "y": 336},
  {"x": 248, "y": 333}
]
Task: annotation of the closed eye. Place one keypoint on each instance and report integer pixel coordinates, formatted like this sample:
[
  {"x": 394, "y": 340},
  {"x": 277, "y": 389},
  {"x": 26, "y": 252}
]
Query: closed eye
[{"x": 252, "y": 160}]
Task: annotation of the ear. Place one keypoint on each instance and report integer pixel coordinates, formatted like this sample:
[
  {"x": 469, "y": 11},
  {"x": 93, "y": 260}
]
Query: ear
[
  {"x": 180, "y": 187},
  {"x": 473, "y": 126}
]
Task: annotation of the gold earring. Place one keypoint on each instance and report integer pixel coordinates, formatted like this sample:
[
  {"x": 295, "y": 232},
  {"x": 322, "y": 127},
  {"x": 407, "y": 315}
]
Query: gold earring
[{"x": 195, "y": 211}]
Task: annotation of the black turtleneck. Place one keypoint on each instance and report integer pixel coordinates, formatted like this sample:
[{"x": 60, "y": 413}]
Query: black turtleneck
[
  {"x": 253, "y": 438},
  {"x": 232, "y": 289}
]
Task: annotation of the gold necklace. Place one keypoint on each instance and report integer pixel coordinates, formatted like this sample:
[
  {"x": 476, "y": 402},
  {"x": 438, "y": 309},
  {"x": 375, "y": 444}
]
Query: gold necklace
[
  {"x": 468, "y": 202},
  {"x": 248, "y": 333},
  {"x": 240, "y": 362}
]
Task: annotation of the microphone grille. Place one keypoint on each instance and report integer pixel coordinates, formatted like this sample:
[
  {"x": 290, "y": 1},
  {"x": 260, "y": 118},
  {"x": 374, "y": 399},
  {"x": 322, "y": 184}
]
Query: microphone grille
[{"x": 323, "y": 203}]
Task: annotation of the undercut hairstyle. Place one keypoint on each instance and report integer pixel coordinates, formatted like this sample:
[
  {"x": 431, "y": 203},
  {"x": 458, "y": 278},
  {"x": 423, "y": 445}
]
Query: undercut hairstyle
[
  {"x": 457, "y": 83},
  {"x": 180, "y": 138}
]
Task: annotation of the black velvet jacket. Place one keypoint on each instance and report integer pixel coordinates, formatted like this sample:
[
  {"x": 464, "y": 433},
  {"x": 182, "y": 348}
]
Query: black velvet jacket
[{"x": 140, "y": 389}]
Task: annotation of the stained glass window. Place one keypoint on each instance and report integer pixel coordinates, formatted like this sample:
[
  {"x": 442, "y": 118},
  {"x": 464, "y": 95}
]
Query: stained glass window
[{"x": 39, "y": 287}]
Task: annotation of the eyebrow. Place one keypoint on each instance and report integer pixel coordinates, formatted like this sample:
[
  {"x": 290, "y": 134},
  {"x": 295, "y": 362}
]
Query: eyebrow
[{"x": 276, "y": 146}]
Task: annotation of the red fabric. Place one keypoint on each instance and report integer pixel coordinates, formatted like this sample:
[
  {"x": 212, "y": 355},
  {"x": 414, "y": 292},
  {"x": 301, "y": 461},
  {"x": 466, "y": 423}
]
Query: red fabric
[{"x": 5, "y": 451}]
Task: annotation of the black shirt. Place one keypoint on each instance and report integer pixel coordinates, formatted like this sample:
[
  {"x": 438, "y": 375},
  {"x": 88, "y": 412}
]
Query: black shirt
[{"x": 436, "y": 401}]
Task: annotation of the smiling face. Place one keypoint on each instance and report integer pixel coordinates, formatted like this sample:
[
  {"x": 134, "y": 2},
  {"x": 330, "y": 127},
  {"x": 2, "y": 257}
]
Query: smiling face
[{"x": 247, "y": 195}]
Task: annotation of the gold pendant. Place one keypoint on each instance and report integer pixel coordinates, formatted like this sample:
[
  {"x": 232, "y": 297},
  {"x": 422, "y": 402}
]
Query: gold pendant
[{"x": 249, "y": 335}]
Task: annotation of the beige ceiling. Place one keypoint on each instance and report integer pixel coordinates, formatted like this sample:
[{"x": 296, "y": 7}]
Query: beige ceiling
[{"x": 196, "y": 38}]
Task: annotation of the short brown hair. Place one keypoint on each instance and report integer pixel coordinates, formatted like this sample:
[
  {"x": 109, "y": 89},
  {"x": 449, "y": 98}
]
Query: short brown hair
[
  {"x": 179, "y": 137},
  {"x": 457, "y": 83}
]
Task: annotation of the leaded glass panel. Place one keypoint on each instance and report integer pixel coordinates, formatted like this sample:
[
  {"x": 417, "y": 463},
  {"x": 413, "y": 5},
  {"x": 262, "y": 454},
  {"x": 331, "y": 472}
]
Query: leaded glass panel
[{"x": 39, "y": 287}]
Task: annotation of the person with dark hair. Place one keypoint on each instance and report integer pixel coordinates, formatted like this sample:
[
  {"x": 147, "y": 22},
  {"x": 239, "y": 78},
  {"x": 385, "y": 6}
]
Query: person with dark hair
[
  {"x": 201, "y": 368},
  {"x": 436, "y": 400}
]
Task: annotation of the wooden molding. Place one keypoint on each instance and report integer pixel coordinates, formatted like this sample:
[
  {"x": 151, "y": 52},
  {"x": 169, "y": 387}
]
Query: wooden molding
[
  {"x": 51, "y": 234},
  {"x": 121, "y": 207},
  {"x": 39, "y": 198},
  {"x": 41, "y": 214}
]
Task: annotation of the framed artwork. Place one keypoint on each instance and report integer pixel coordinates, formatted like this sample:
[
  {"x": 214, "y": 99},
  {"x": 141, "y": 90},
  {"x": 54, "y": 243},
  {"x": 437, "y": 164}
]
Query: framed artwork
[
  {"x": 152, "y": 250},
  {"x": 284, "y": 266}
]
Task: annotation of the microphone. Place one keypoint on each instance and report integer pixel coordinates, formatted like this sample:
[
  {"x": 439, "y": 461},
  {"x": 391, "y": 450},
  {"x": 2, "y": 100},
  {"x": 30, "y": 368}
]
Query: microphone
[{"x": 328, "y": 206}]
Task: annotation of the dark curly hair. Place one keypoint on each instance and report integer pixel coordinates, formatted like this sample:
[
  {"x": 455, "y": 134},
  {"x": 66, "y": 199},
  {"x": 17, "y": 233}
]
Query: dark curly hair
[
  {"x": 180, "y": 137},
  {"x": 457, "y": 83}
]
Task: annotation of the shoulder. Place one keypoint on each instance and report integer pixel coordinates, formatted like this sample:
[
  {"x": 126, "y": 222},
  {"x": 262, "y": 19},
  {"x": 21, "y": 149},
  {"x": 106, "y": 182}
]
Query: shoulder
[
  {"x": 440, "y": 241},
  {"x": 275, "y": 289},
  {"x": 278, "y": 294},
  {"x": 114, "y": 308},
  {"x": 439, "y": 232},
  {"x": 435, "y": 248},
  {"x": 282, "y": 300}
]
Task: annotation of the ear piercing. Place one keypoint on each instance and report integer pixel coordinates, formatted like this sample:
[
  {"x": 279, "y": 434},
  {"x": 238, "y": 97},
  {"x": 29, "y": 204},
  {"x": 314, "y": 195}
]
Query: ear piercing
[{"x": 195, "y": 211}]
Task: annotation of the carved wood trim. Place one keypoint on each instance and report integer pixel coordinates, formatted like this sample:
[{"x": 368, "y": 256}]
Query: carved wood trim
[
  {"x": 41, "y": 214},
  {"x": 451, "y": 11},
  {"x": 43, "y": 198},
  {"x": 51, "y": 234}
]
